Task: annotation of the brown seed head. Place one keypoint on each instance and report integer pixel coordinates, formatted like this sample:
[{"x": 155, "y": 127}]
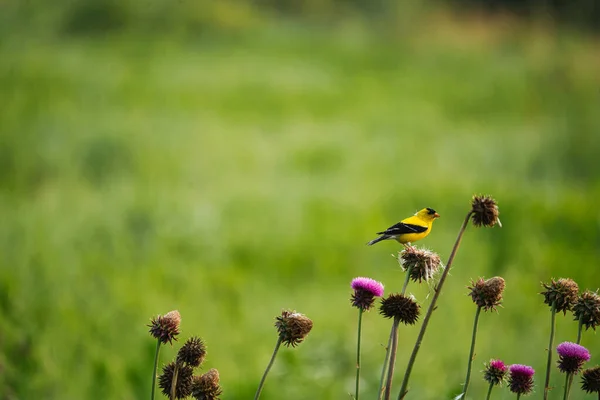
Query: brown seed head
[
  {"x": 292, "y": 327},
  {"x": 587, "y": 309},
  {"x": 484, "y": 211},
  {"x": 402, "y": 307},
  {"x": 206, "y": 387},
  {"x": 192, "y": 352},
  {"x": 166, "y": 327},
  {"x": 183, "y": 385},
  {"x": 590, "y": 380},
  {"x": 422, "y": 263},
  {"x": 563, "y": 292},
  {"x": 487, "y": 294}
]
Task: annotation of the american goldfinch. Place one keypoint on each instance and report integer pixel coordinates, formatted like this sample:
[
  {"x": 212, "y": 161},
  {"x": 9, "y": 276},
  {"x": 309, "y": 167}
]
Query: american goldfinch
[{"x": 409, "y": 229}]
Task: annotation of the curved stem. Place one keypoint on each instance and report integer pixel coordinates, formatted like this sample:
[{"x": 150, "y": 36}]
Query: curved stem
[
  {"x": 155, "y": 367},
  {"x": 360, "y": 314},
  {"x": 471, "y": 353},
  {"x": 489, "y": 393},
  {"x": 567, "y": 386},
  {"x": 385, "y": 363},
  {"x": 262, "y": 381},
  {"x": 432, "y": 306},
  {"x": 390, "y": 373},
  {"x": 550, "y": 346}
]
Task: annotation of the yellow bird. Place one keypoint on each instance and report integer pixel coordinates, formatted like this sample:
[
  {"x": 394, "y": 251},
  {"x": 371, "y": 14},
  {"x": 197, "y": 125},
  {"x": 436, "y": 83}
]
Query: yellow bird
[{"x": 409, "y": 229}]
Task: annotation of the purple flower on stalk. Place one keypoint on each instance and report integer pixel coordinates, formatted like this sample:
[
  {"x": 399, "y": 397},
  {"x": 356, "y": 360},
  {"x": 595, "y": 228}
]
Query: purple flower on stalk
[
  {"x": 365, "y": 291},
  {"x": 494, "y": 372},
  {"x": 520, "y": 379},
  {"x": 571, "y": 357}
]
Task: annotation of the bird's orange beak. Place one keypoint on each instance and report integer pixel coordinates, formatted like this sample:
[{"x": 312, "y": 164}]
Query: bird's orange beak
[{"x": 436, "y": 215}]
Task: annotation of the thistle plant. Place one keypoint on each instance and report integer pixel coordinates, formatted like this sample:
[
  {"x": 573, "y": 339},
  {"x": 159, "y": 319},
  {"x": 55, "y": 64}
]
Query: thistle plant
[
  {"x": 571, "y": 357},
  {"x": 292, "y": 328},
  {"x": 363, "y": 298},
  {"x": 494, "y": 374},
  {"x": 483, "y": 212},
  {"x": 175, "y": 382},
  {"x": 487, "y": 295},
  {"x": 560, "y": 295},
  {"x": 520, "y": 379},
  {"x": 206, "y": 386},
  {"x": 590, "y": 380},
  {"x": 403, "y": 309},
  {"x": 586, "y": 311},
  {"x": 164, "y": 329}
]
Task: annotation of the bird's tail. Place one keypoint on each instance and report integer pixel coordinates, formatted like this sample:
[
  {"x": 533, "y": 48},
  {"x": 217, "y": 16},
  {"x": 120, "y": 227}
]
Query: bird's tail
[{"x": 379, "y": 239}]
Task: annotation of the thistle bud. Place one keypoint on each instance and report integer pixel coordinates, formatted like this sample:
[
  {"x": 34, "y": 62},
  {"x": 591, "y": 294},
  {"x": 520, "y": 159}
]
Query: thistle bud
[
  {"x": 484, "y": 211},
  {"x": 293, "y": 327},
  {"x": 422, "y": 264},
  {"x": 166, "y": 327},
  {"x": 206, "y": 387},
  {"x": 495, "y": 372},
  {"x": 487, "y": 294},
  {"x": 563, "y": 293},
  {"x": 183, "y": 383},
  {"x": 401, "y": 307},
  {"x": 590, "y": 380},
  {"x": 192, "y": 352},
  {"x": 587, "y": 309}
]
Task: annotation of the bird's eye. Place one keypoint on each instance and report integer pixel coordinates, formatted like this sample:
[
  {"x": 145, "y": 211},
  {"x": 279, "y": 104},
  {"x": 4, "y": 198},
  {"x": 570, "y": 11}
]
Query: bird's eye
[{"x": 430, "y": 211}]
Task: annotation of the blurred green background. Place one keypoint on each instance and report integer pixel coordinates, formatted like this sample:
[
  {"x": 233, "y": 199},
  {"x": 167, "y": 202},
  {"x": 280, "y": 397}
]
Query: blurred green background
[{"x": 229, "y": 159}]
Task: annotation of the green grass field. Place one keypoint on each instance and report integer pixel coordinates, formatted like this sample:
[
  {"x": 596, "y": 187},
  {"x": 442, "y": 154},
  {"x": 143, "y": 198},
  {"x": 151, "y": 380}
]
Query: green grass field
[{"x": 232, "y": 175}]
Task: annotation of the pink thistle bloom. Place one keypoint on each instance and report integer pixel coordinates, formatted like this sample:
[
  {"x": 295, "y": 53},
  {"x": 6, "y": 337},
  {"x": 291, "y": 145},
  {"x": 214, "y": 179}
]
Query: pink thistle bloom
[
  {"x": 521, "y": 378},
  {"x": 571, "y": 357},
  {"x": 368, "y": 285}
]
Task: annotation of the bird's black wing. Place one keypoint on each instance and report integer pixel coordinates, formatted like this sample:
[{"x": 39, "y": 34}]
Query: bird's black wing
[{"x": 401, "y": 228}]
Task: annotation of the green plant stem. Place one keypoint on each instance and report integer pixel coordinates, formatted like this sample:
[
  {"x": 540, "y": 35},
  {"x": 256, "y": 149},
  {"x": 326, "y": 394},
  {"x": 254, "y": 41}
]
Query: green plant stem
[
  {"x": 385, "y": 364},
  {"x": 174, "y": 381},
  {"x": 471, "y": 353},
  {"x": 406, "y": 279},
  {"x": 390, "y": 372},
  {"x": 567, "y": 386},
  {"x": 550, "y": 345},
  {"x": 579, "y": 330},
  {"x": 262, "y": 381},
  {"x": 489, "y": 393},
  {"x": 432, "y": 307},
  {"x": 360, "y": 314},
  {"x": 518, "y": 396},
  {"x": 155, "y": 367}
]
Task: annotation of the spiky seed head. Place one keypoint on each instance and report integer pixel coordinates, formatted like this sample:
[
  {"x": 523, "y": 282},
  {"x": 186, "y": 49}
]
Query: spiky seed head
[
  {"x": 484, "y": 211},
  {"x": 402, "y": 307},
  {"x": 590, "y": 380},
  {"x": 192, "y": 352},
  {"x": 422, "y": 263},
  {"x": 365, "y": 291},
  {"x": 571, "y": 357},
  {"x": 487, "y": 294},
  {"x": 520, "y": 379},
  {"x": 206, "y": 387},
  {"x": 166, "y": 327},
  {"x": 495, "y": 372},
  {"x": 587, "y": 309},
  {"x": 563, "y": 292},
  {"x": 292, "y": 327},
  {"x": 183, "y": 385}
]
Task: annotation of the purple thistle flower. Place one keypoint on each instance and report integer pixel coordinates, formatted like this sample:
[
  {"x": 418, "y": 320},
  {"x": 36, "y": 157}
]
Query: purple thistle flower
[
  {"x": 494, "y": 372},
  {"x": 571, "y": 357},
  {"x": 521, "y": 378},
  {"x": 365, "y": 291}
]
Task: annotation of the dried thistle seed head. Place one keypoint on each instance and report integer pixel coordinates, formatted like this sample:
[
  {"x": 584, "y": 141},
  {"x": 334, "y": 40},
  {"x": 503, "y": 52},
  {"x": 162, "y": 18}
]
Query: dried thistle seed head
[
  {"x": 563, "y": 292},
  {"x": 206, "y": 387},
  {"x": 590, "y": 380},
  {"x": 571, "y": 357},
  {"x": 365, "y": 291},
  {"x": 587, "y": 309},
  {"x": 183, "y": 385},
  {"x": 487, "y": 294},
  {"x": 520, "y": 379},
  {"x": 495, "y": 372},
  {"x": 192, "y": 352},
  {"x": 422, "y": 263},
  {"x": 484, "y": 211},
  {"x": 402, "y": 307},
  {"x": 166, "y": 327},
  {"x": 293, "y": 327}
]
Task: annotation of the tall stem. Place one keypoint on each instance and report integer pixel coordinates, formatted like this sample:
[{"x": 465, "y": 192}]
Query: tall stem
[
  {"x": 262, "y": 381},
  {"x": 567, "y": 386},
  {"x": 385, "y": 364},
  {"x": 518, "y": 396},
  {"x": 155, "y": 367},
  {"x": 579, "y": 330},
  {"x": 550, "y": 345},
  {"x": 489, "y": 393},
  {"x": 360, "y": 314},
  {"x": 174, "y": 381},
  {"x": 468, "y": 378},
  {"x": 432, "y": 306},
  {"x": 390, "y": 373},
  {"x": 406, "y": 279}
]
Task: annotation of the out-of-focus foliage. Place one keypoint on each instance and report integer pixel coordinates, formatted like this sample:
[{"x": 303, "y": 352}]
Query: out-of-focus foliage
[{"x": 229, "y": 160}]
